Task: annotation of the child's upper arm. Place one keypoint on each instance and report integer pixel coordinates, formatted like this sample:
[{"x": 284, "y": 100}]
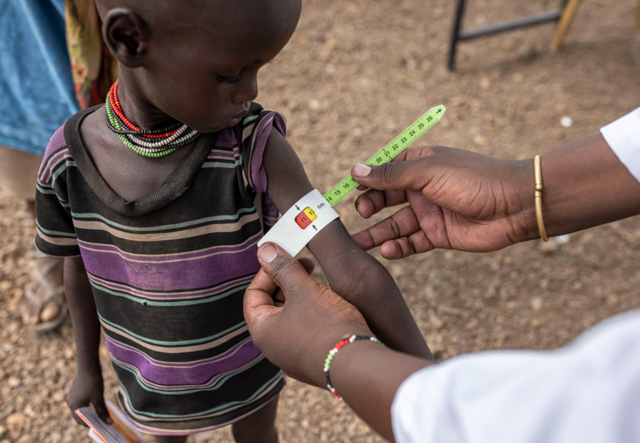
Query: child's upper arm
[{"x": 288, "y": 183}]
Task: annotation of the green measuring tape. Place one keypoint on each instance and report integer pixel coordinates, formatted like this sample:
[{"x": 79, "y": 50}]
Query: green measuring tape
[{"x": 389, "y": 152}]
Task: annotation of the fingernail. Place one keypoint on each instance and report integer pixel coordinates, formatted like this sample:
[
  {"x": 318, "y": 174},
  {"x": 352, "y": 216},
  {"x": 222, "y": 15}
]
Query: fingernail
[
  {"x": 267, "y": 253},
  {"x": 361, "y": 170}
]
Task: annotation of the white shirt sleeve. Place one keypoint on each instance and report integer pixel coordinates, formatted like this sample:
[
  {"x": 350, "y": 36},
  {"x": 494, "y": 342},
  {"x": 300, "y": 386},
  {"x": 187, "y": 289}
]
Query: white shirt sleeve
[
  {"x": 623, "y": 136},
  {"x": 587, "y": 392}
]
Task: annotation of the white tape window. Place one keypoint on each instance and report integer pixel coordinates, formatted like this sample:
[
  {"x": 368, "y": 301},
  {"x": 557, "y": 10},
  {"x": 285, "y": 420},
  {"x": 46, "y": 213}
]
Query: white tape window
[{"x": 301, "y": 223}]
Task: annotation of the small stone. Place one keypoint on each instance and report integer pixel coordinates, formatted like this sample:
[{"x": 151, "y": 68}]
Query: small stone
[
  {"x": 58, "y": 396},
  {"x": 544, "y": 283},
  {"x": 473, "y": 323},
  {"x": 548, "y": 247},
  {"x": 566, "y": 122},
  {"x": 435, "y": 320},
  {"x": 480, "y": 140},
  {"x": 13, "y": 382},
  {"x": 15, "y": 423},
  {"x": 562, "y": 239},
  {"x": 411, "y": 65},
  {"x": 314, "y": 104},
  {"x": 331, "y": 69},
  {"x": 536, "y": 303},
  {"x": 485, "y": 83}
]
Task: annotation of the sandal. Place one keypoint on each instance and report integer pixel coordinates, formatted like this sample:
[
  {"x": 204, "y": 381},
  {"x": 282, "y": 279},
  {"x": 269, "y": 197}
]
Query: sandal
[{"x": 52, "y": 299}]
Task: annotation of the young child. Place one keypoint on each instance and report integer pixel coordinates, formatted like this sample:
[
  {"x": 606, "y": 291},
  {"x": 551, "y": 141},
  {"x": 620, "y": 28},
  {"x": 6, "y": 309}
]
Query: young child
[{"x": 158, "y": 199}]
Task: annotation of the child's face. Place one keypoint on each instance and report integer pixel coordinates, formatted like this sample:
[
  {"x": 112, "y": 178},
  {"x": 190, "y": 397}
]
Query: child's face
[{"x": 201, "y": 66}]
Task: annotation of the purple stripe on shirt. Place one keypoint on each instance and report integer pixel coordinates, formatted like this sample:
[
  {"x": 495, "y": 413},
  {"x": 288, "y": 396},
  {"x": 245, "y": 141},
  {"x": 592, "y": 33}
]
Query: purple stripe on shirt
[
  {"x": 190, "y": 373},
  {"x": 44, "y": 177},
  {"x": 258, "y": 173},
  {"x": 191, "y": 255},
  {"x": 226, "y": 138},
  {"x": 56, "y": 142},
  {"x": 174, "y": 295},
  {"x": 163, "y": 275}
]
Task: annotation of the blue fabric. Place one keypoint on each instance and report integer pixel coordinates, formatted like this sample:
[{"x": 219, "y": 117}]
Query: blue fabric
[{"x": 36, "y": 87}]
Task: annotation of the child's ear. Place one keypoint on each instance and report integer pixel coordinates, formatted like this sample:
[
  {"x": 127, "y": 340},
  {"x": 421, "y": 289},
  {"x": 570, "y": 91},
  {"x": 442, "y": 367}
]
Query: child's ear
[{"x": 125, "y": 34}]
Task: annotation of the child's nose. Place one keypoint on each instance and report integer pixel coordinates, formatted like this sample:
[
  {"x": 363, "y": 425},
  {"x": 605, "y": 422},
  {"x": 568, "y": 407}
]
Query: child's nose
[{"x": 247, "y": 90}]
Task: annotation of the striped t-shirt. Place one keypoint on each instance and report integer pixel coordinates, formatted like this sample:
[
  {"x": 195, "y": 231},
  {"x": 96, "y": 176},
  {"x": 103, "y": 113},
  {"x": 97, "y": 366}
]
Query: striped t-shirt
[{"x": 169, "y": 270}]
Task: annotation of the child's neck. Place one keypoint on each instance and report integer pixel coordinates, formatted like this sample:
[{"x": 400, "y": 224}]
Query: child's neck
[{"x": 137, "y": 107}]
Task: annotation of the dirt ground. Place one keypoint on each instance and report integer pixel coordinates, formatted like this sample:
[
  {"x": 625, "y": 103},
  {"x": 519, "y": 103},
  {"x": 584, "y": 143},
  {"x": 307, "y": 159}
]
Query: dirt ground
[{"x": 355, "y": 74}]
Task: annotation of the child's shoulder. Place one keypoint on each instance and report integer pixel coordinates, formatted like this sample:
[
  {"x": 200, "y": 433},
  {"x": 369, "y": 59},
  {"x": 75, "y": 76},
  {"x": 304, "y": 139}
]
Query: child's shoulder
[
  {"x": 59, "y": 139},
  {"x": 56, "y": 142},
  {"x": 258, "y": 121}
]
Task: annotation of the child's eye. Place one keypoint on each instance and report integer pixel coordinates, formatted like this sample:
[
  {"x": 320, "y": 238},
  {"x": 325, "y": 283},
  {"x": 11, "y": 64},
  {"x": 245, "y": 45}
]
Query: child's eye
[{"x": 230, "y": 80}]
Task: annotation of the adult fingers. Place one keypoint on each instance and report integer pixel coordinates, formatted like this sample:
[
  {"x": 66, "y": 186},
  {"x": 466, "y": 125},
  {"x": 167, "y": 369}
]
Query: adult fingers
[
  {"x": 279, "y": 296},
  {"x": 404, "y": 247},
  {"x": 401, "y": 224},
  {"x": 283, "y": 269},
  {"x": 307, "y": 264},
  {"x": 374, "y": 201},
  {"x": 258, "y": 298},
  {"x": 407, "y": 171},
  {"x": 258, "y": 305}
]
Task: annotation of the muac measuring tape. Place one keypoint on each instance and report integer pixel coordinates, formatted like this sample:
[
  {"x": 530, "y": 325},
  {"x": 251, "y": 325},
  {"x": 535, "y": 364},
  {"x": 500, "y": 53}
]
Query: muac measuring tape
[{"x": 314, "y": 211}]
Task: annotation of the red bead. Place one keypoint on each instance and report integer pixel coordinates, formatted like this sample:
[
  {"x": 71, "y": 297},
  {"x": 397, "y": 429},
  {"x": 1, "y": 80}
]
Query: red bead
[{"x": 114, "y": 101}]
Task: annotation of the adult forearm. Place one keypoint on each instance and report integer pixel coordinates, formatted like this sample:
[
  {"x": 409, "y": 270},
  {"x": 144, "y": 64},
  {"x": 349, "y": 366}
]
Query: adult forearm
[
  {"x": 366, "y": 284},
  {"x": 86, "y": 326},
  {"x": 585, "y": 185},
  {"x": 367, "y": 376}
]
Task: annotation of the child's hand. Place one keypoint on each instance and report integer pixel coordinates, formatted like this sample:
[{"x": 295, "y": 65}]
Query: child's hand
[{"x": 88, "y": 388}]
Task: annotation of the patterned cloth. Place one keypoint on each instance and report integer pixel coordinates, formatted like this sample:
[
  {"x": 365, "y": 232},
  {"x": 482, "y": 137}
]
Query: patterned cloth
[
  {"x": 168, "y": 272},
  {"x": 93, "y": 67}
]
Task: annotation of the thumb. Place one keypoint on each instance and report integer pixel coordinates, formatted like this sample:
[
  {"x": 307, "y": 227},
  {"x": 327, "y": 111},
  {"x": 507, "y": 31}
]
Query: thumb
[
  {"x": 283, "y": 269},
  {"x": 394, "y": 176},
  {"x": 101, "y": 409}
]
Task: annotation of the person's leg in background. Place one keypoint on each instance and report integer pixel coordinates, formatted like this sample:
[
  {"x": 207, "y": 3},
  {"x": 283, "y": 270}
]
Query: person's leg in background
[
  {"x": 37, "y": 93},
  {"x": 43, "y": 302}
]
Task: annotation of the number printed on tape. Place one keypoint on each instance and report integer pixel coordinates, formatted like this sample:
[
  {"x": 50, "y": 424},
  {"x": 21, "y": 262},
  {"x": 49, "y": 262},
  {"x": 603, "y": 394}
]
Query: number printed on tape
[{"x": 389, "y": 152}]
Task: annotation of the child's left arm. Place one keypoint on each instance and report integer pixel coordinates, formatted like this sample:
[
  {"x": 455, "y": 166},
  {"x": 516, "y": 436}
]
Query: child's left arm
[{"x": 351, "y": 272}]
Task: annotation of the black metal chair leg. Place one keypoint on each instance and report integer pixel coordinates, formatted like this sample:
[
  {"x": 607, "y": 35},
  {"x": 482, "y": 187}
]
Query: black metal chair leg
[{"x": 455, "y": 34}]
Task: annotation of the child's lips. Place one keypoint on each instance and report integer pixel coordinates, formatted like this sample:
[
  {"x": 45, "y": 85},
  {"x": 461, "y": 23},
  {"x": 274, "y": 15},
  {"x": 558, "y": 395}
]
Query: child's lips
[{"x": 234, "y": 121}]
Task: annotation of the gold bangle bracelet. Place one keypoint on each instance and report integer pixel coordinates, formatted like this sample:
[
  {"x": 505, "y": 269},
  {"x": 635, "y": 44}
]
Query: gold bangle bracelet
[{"x": 537, "y": 170}]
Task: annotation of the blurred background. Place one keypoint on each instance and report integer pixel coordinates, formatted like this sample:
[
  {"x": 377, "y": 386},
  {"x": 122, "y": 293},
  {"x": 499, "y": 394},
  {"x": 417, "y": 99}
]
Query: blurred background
[{"x": 355, "y": 74}]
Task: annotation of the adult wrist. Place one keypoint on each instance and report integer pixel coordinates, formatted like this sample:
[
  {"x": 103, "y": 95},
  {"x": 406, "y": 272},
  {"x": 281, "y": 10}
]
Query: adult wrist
[
  {"x": 328, "y": 344},
  {"x": 349, "y": 361},
  {"x": 520, "y": 201}
]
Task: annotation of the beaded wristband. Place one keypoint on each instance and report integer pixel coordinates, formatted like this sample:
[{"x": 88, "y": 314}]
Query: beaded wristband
[{"x": 334, "y": 351}]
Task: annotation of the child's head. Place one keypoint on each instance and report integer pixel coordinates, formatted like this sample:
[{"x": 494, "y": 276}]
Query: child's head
[{"x": 196, "y": 60}]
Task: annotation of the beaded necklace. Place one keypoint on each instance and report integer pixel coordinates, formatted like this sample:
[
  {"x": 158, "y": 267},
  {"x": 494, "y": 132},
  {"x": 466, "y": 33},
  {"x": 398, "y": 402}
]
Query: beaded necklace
[{"x": 150, "y": 143}]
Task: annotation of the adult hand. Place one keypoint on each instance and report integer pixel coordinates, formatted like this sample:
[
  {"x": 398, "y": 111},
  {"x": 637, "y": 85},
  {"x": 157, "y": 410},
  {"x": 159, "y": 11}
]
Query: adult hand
[
  {"x": 297, "y": 336},
  {"x": 457, "y": 200}
]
